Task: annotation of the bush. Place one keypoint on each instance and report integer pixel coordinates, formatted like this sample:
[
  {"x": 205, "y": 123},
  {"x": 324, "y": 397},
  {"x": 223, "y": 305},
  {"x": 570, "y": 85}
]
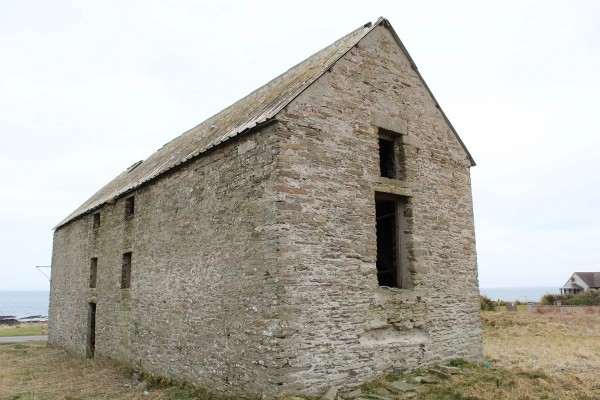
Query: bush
[
  {"x": 549, "y": 299},
  {"x": 486, "y": 304},
  {"x": 591, "y": 298}
]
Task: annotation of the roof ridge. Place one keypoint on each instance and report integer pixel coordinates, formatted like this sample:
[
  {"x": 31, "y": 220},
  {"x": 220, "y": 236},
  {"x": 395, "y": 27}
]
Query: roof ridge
[{"x": 277, "y": 77}]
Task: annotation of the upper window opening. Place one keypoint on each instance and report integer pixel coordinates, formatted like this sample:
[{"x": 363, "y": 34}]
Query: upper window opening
[
  {"x": 93, "y": 272},
  {"x": 387, "y": 158},
  {"x": 129, "y": 206},
  {"x": 391, "y": 155},
  {"x": 96, "y": 220},
  {"x": 126, "y": 271}
]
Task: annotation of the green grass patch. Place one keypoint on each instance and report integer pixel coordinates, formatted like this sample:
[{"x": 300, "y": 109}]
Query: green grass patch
[
  {"x": 369, "y": 387},
  {"x": 392, "y": 377},
  {"x": 520, "y": 308},
  {"x": 461, "y": 363},
  {"x": 182, "y": 393},
  {"x": 24, "y": 330}
]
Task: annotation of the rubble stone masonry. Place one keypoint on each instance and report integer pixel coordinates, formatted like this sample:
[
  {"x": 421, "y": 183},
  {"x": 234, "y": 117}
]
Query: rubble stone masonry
[{"x": 253, "y": 266}]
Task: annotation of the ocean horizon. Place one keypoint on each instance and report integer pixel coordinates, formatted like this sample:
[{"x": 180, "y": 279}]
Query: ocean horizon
[
  {"x": 523, "y": 294},
  {"x": 22, "y": 303}
]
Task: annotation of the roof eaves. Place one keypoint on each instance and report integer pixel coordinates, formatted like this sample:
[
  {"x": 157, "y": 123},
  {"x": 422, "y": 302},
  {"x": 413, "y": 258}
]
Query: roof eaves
[{"x": 117, "y": 194}]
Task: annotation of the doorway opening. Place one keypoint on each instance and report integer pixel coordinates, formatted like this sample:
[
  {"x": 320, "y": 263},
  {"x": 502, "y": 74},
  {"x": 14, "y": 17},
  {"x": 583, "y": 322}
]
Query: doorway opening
[{"x": 91, "y": 344}]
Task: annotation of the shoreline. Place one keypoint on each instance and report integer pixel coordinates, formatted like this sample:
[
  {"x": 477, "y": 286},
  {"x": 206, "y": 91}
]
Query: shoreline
[{"x": 10, "y": 320}]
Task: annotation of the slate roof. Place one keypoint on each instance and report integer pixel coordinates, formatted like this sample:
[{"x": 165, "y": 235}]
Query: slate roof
[
  {"x": 258, "y": 108},
  {"x": 592, "y": 279},
  {"x": 572, "y": 286}
]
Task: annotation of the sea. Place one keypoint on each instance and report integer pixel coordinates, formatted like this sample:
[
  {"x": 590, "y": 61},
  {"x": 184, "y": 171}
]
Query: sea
[
  {"x": 22, "y": 304},
  {"x": 523, "y": 294}
]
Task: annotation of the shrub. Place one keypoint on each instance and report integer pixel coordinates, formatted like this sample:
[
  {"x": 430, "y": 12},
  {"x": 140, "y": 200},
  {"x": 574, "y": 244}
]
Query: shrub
[
  {"x": 486, "y": 304},
  {"x": 461, "y": 363},
  {"x": 590, "y": 298},
  {"x": 549, "y": 299}
]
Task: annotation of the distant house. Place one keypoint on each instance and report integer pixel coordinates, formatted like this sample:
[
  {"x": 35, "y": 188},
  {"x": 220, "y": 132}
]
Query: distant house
[
  {"x": 581, "y": 282},
  {"x": 317, "y": 232}
]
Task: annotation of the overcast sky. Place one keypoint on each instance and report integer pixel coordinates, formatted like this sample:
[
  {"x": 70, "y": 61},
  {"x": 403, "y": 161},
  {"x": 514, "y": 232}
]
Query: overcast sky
[{"x": 89, "y": 88}]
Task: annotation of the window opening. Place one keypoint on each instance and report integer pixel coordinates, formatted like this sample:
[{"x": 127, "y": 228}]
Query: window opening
[
  {"x": 389, "y": 213},
  {"x": 93, "y": 272},
  {"x": 387, "y": 157},
  {"x": 129, "y": 206},
  {"x": 96, "y": 220},
  {"x": 126, "y": 271},
  {"x": 391, "y": 155}
]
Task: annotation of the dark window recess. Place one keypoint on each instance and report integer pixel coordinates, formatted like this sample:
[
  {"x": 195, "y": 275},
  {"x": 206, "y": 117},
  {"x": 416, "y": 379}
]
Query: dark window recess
[
  {"x": 387, "y": 158},
  {"x": 391, "y": 155},
  {"x": 126, "y": 271},
  {"x": 96, "y": 220},
  {"x": 93, "y": 272},
  {"x": 390, "y": 223},
  {"x": 129, "y": 206},
  {"x": 387, "y": 243},
  {"x": 91, "y": 344}
]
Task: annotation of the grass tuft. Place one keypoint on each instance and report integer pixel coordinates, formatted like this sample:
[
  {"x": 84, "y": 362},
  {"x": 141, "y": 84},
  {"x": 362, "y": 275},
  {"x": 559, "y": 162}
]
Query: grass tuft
[
  {"x": 392, "y": 377},
  {"x": 461, "y": 363},
  {"x": 369, "y": 387}
]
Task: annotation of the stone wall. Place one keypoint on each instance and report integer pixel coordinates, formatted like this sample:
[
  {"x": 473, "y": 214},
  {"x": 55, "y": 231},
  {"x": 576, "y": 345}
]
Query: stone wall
[
  {"x": 204, "y": 276},
  {"x": 349, "y": 329},
  {"x": 68, "y": 311}
]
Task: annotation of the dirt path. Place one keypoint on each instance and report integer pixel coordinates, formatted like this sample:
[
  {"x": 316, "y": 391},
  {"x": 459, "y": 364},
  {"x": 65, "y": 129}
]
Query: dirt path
[{"x": 24, "y": 339}]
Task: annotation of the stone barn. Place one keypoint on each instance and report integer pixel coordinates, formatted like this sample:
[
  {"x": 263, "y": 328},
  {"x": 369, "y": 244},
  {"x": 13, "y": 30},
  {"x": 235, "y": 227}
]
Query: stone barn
[{"x": 317, "y": 232}]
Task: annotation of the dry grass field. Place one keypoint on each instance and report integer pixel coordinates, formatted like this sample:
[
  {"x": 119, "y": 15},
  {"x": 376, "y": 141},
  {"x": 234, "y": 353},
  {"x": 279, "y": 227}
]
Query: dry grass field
[
  {"x": 33, "y": 371},
  {"x": 559, "y": 343},
  {"x": 530, "y": 356},
  {"x": 535, "y": 356}
]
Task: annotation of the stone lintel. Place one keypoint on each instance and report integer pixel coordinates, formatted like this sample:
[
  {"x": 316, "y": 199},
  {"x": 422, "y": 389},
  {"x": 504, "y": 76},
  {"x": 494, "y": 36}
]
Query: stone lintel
[
  {"x": 392, "y": 123},
  {"x": 392, "y": 186}
]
